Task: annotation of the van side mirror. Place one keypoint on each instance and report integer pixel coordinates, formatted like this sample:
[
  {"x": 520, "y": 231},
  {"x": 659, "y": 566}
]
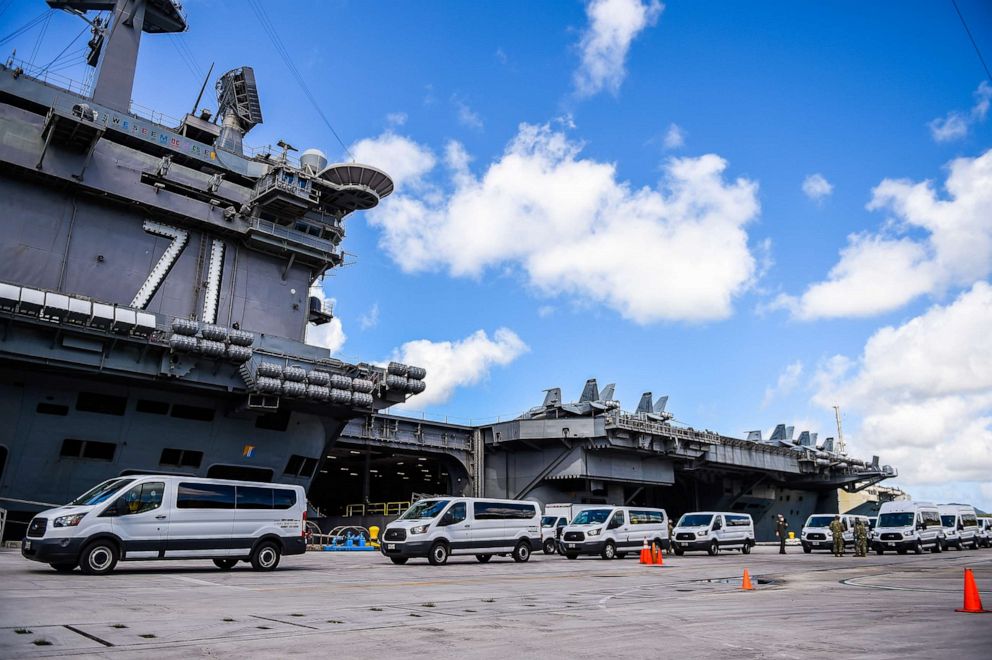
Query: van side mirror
[
  {"x": 120, "y": 507},
  {"x": 614, "y": 524},
  {"x": 920, "y": 525},
  {"x": 446, "y": 519}
]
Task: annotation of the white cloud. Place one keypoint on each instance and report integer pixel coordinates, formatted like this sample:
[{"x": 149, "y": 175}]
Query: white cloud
[
  {"x": 674, "y": 136},
  {"x": 461, "y": 363},
  {"x": 370, "y": 319},
  {"x": 574, "y": 229},
  {"x": 924, "y": 392},
  {"x": 329, "y": 335},
  {"x": 787, "y": 382},
  {"x": 929, "y": 245},
  {"x": 466, "y": 115},
  {"x": 396, "y": 118},
  {"x": 404, "y": 160},
  {"x": 545, "y": 311},
  {"x": 613, "y": 25},
  {"x": 501, "y": 56},
  {"x": 955, "y": 125},
  {"x": 946, "y": 129},
  {"x": 816, "y": 187}
]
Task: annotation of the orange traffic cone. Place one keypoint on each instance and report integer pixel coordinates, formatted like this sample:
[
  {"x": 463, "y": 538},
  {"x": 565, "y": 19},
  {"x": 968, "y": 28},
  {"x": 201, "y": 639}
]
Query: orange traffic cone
[
  {"x": 658, "y": 561},
  {"x": 746, "y": 582},
  {"x": 645, "y": 553},
  {"x": 972, "y": 599}
]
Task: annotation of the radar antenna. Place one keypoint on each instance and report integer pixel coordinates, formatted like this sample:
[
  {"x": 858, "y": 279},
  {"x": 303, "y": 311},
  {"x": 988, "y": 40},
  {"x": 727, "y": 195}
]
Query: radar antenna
[{"x": 238, "y": 107}]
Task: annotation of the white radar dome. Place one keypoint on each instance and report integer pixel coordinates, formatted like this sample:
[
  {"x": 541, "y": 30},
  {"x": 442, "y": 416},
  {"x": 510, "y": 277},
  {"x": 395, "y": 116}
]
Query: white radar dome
[{"x": 314, "y": 159}]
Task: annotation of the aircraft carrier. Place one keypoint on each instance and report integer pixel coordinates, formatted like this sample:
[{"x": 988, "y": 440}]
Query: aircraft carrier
[{"x": 155, "y": 282}]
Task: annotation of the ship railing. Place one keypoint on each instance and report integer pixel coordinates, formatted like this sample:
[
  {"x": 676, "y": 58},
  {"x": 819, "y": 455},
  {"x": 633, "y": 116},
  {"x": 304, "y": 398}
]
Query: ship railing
[
  {"x": 48, "y": 77},
  {"x": 273, "y": 180},
  {"x": 623, "y": 420},
  {"x": 376, "y": 509},
  {"x": 287, "y": 234}
]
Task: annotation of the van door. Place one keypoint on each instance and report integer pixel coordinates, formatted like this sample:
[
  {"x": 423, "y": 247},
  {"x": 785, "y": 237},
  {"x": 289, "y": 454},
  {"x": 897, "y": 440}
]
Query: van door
[
  {"x": 141, "y": 520},
  {"x": 718, "y": 530},
  {"x": 202, "y": 521},
  {"x": 620, "y": 531},
  {"x": 455, "y": 523}
]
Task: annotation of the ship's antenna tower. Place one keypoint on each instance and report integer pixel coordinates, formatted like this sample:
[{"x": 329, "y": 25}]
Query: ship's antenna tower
[
  {"x": 114, "y": 52},
  {"x": 841, "y": 447}
]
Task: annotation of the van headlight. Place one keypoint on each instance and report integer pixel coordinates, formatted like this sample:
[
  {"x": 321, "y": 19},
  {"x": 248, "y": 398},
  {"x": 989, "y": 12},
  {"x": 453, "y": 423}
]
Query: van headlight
[
  {"x": 68, "y": 521},
  {"x": 419, "y": 529},
  {"x": 703, "y": 532},
  {"x": 594, "y": 532}
]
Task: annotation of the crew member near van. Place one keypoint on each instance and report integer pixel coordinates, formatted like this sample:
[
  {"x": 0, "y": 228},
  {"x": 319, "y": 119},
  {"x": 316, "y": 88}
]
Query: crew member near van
[
  {"x": 860, "y": 538},
  {"x": 671, "y": 537},
  {"x": 837, "y": 529},
  {"x": 780, "y": 526}
]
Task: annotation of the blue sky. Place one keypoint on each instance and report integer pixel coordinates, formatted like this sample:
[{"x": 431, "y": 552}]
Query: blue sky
[{"x": 615, "y": 189}]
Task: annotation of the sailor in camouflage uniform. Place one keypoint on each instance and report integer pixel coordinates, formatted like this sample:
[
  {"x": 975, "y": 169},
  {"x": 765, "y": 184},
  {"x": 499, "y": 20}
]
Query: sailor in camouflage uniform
[
  {"x": 837, "y": 529},
  {"x": 860, "y": 538}
]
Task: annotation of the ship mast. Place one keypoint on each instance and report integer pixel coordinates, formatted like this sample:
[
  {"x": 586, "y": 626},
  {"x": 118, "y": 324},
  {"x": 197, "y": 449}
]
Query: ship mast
[
  {"x": 841, "y": 447},
  {"x": 114, "y": 47}
]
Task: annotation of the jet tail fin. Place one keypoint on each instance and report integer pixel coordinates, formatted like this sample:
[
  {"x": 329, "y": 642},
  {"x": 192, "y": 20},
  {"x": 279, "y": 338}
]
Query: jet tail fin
[{"x": 590, "y": 392}]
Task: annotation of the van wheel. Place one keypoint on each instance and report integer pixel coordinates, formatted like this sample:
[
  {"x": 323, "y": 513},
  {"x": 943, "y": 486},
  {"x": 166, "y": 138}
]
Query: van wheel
[
  {"x": 918, "y": 549},
  {"x": 609, "y": 551},
  {"x": 99, "y": 558},
  {"x": 482, "y": 559},
  {"x": 807, "y": 548},
  {"x": 64, "y": 568},
  {"x": 714, "y": 548},
  {"x": 438, "y": 554},
  {"x": 746, "y": 548},
  {"x": 570, "y": 555},
  {"x": 521, "y": 553},
  {"x": 936, "y": 548},
  {"x": 879, "y": 551},
  {"x": 225, "y": 564},
  {"x": 679, "y": 551},
  {"x": 399, "y": 560},
  {"x": 549, "y": 547},
  {"x": 265, "y": 557}
]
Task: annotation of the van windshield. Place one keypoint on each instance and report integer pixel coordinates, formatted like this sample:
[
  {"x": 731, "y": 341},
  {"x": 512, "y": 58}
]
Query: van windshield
[
  {"x": 425, "y": 509},
  {"x": 904, "y": 519},
  {"x": 592, "y": 516},
  {"x": 695, "y": 520},
  {"x": 101, "y": 493},
  {"x": 947, "y": 521},
  {"x": 819, "y": 521}
]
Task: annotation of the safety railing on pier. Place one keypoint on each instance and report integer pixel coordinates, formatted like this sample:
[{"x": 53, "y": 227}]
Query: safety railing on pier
[{"x": 376, "y": 509}]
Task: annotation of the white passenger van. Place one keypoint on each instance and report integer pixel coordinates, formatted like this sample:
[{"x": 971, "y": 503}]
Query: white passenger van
[
  {"x": 985, "y": 532},
  {"x": 556, "y": 517},
  {"x": 613, "y": 531},
  {"x": 713, "y": 531},
  {"x": 167, "y": 517},
  {"x": 960, "y": 525},
  {"x": 439, "y": 527},
  {"x": 816, "y": 532},
  {"x": 904, "y": 526}
]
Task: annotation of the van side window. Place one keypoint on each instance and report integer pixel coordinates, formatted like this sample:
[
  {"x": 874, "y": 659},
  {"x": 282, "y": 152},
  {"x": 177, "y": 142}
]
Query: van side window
[
  {"x": 144, "y": 497},
  {"x": 717, "y": 522},
  {"x": 283, "y": 498},
  {"x": 455, "y": 514},
  {"x": 738, "y": 521},
  {"x": 503, "y": 511},
  {"x": 645, "y": 517},
  {"x": 205, "y": 496},
  {"x": 254, "y": 497}
]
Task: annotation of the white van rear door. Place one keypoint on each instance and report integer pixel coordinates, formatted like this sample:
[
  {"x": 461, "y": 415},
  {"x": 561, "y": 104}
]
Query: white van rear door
[
  {"x": 202, "y": 521},
  {"x": 142, "y": 520}
]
